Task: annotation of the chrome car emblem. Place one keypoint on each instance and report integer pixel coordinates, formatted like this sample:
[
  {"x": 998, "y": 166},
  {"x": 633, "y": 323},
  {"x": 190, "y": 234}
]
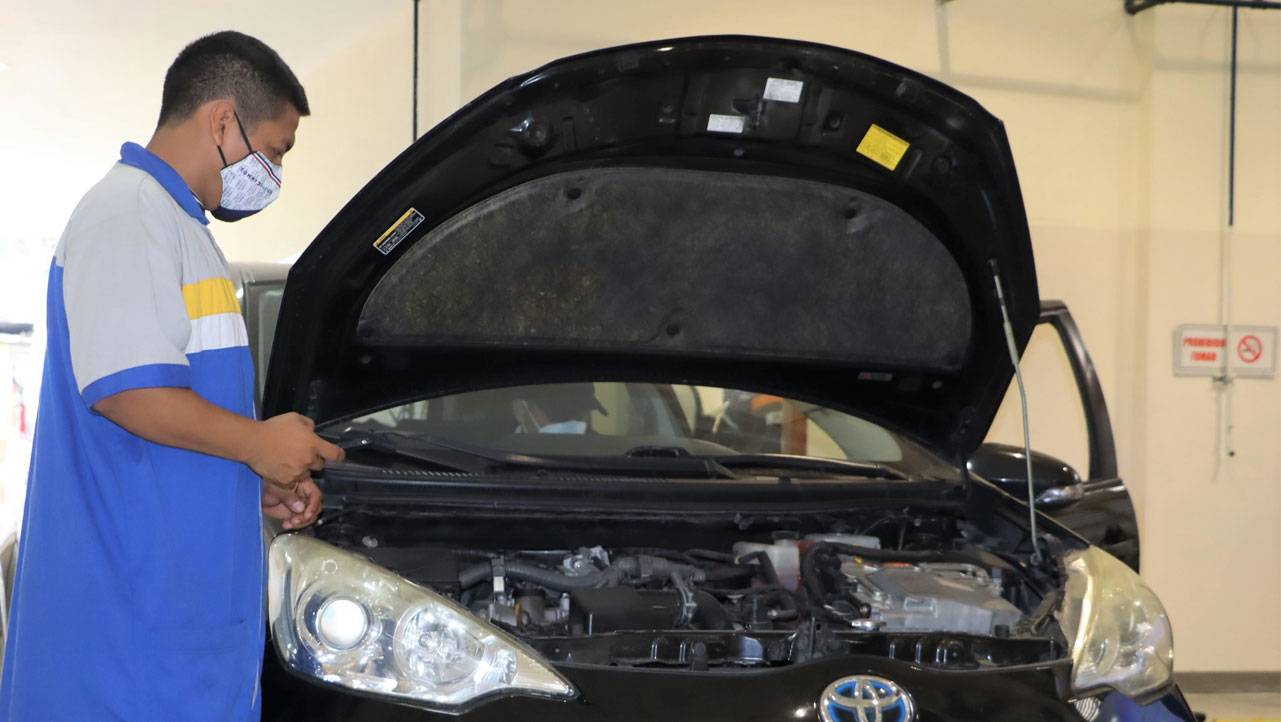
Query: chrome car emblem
[{"x": 865, "y": 698}]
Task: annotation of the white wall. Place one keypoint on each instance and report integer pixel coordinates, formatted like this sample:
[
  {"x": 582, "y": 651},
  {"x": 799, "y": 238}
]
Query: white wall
[
  {"x": 84, "y": 77},
  {"x": 1215, "y": 517}
]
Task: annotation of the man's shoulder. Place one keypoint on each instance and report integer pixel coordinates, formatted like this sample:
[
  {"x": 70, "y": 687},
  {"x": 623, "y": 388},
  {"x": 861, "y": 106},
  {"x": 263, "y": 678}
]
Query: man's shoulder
[
  {"x": 123, "y": 190},
  {"x": 125, "y": 198}
]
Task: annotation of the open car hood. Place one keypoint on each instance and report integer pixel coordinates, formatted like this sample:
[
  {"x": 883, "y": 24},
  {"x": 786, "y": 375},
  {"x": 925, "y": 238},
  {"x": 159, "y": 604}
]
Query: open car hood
[{"x": 751, "y": 213}]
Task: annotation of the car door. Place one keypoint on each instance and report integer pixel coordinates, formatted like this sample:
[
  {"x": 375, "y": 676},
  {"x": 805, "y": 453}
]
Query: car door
[
  {"x": 1096, "y": 504},
  {"x": 259, "y": 288}
]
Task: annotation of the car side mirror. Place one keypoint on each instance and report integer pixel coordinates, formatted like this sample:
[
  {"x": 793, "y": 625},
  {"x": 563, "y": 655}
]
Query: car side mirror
[{"x": 1054, "y": 481}]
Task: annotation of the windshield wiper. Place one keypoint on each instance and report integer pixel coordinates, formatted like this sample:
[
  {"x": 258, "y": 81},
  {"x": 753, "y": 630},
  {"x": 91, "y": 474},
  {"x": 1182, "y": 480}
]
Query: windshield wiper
[
  {"x": 811, "y": 463},
  {"x": 460, "y": 456},
  {"x": 423, "y": 449},
  {"x": 778, "y": 461}
]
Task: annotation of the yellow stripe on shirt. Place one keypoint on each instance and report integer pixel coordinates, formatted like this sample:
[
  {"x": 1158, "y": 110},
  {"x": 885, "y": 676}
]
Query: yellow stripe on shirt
[{"x": 213, "y": 295}]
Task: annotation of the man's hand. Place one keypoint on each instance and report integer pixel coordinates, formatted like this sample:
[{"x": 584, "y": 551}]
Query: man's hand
[
  {"x": 285, "y": 451},
  {"x": 274, "y": 504}
]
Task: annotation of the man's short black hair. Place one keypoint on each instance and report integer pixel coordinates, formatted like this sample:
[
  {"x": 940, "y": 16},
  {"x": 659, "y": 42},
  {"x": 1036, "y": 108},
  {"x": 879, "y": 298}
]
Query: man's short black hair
[{"x": 235, "y": 66}]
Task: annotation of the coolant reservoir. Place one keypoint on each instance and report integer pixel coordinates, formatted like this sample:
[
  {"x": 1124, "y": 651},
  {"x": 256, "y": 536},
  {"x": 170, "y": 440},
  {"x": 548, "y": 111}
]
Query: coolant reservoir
[
  {"x": 855, "y": 540},
  {"x": 783, "y": 554}
]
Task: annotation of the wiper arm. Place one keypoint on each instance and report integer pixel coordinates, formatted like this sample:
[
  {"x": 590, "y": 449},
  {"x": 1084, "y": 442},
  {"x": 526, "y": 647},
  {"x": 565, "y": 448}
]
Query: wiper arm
[
  {"x": 812, "y": 463},
  {"x": 424, "y": 449},
  {"x": 644, "y": 461},
  {"x": 460, "y": 456}
]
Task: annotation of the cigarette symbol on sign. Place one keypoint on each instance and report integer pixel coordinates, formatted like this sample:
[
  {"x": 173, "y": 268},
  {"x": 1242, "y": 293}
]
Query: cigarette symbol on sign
[{"x": 1250, "y": 348}]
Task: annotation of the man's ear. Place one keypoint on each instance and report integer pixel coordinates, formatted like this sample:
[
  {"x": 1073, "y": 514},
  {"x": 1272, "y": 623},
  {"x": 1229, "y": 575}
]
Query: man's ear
[{"x": 222, "y": 120}]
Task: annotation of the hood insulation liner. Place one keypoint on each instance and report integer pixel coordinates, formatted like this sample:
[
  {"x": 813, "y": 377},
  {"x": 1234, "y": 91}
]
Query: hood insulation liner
[{"x": 684, "y": 261}]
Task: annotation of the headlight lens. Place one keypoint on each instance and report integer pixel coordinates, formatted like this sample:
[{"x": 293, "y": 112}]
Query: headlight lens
[
  {"x": 1119, "y": 632},
  {"x": 341, "y": 619}
]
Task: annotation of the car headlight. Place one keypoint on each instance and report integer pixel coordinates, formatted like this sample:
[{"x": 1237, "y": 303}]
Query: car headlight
[
  {"x": 1119, "y": 632},
  {"x": 340, "y": 619}
]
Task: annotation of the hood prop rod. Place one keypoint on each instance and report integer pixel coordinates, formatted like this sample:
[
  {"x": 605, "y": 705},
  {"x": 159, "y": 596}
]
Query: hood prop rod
[{"x": 1027, "y": 438}]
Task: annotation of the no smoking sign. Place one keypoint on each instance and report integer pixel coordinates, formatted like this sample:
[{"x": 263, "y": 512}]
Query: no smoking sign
[
  {"x": 1250, "y": 349},
  {"x": 1207, "y": 350}
]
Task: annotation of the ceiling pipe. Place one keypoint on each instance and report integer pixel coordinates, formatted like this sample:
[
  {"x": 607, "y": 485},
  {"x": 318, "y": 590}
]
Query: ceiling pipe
[{"x": 1134, "y": 7}]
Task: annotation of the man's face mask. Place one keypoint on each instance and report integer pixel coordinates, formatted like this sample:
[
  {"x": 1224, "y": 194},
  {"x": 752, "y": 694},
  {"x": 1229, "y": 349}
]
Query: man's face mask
[
  {"x": 248, "y": 185},
  {"x": 564, "y": 427}
]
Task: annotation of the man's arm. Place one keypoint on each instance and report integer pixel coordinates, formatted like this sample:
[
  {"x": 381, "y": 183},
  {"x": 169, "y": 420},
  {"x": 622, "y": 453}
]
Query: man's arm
[
  {"x": 283, "y": 450},
  {"x": 128, "y": 323}
]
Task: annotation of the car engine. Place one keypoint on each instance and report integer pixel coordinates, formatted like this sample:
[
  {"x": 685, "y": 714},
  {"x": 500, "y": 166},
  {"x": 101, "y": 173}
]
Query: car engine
[
  {"x": 596, "y": 590},
  {"x": 931, "y": 597},
  {"x": 925, "y": 587}
]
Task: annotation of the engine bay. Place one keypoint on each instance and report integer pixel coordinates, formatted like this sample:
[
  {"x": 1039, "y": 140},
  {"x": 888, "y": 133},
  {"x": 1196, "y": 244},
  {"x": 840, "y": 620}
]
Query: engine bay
[{"x": 922, "y": 587}]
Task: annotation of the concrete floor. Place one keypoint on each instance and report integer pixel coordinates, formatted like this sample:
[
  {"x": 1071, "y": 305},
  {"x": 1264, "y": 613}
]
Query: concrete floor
[{"x": 1238, "y": 706}]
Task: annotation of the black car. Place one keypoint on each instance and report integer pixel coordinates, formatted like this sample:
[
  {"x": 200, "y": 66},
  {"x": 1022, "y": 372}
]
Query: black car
[{"x": 664, "y": 373}]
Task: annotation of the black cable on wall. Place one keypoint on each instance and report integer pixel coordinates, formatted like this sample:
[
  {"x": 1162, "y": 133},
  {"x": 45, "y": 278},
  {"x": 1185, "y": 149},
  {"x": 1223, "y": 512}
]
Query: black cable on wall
[
  {"x": 1232, "y": 126},
  {"x": 415, "y": 73}
]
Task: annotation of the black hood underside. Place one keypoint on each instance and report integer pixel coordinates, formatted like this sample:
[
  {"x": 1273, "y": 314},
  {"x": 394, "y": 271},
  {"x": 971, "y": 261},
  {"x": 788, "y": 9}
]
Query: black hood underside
[
  {"x": 685, "y": 262},
  {"x": 750, "y": 213}
]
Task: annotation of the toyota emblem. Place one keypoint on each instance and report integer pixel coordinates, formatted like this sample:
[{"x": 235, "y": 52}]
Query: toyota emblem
[{"x": 865, "y": 698}]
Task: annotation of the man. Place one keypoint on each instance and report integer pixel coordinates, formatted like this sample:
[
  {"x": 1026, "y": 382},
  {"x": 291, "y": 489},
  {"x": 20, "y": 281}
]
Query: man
[
  {"x": 140, "y": 578},
  {"x": 557, "y": 409}
]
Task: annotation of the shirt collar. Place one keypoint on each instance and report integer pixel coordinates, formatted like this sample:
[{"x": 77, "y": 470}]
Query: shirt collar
[{"x": 168, "y": 178}]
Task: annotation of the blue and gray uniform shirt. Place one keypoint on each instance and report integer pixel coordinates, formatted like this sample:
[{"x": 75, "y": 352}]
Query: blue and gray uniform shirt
[{"x": 140, "y": 577}]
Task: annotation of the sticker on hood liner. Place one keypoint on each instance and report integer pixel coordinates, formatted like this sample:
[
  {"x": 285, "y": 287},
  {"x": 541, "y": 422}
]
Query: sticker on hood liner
[
  {"x": 388, "y": 241},
  {"x": 784, "y": 90},
  {"x": 725, "y": 123},
  {"x": 883, "y": 146}
]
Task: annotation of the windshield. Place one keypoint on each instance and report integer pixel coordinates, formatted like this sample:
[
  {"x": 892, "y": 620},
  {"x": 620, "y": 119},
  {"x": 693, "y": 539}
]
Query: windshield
[{"x": 614, "y": 419}]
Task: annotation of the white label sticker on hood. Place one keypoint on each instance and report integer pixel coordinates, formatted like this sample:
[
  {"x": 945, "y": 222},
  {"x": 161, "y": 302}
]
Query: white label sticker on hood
[
  {"x": 725, "y": 123},
  {"x": 783, "y": 90}
]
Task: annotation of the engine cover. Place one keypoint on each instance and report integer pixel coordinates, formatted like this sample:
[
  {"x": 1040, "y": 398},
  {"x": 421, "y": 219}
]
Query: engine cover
[{"x": 933, "y": 597}]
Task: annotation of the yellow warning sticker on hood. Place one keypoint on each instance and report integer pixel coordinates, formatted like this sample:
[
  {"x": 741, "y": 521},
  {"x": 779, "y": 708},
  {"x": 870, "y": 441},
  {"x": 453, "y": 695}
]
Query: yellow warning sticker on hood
[
  {"x": 388, "y": 241},
  {"x": 883, "y": 146}
]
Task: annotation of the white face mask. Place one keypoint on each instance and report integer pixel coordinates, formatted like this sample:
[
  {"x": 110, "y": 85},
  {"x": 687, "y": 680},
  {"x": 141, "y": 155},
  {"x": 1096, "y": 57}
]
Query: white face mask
[
  {"x": 248, "y": 185},
  {"x": 565, "y": 427}
]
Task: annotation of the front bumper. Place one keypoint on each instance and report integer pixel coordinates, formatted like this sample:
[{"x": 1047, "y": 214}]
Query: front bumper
[{"x": 790, "y": 693}]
